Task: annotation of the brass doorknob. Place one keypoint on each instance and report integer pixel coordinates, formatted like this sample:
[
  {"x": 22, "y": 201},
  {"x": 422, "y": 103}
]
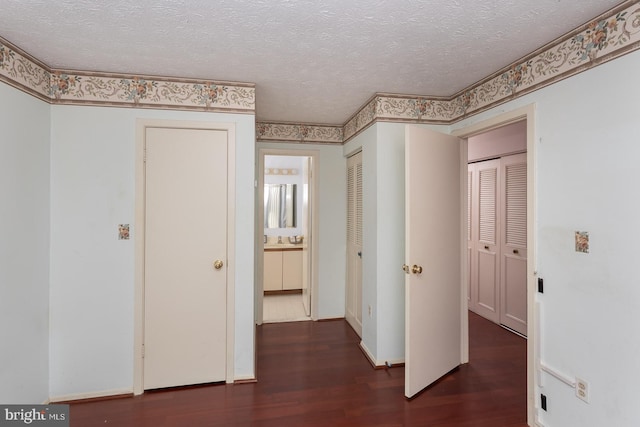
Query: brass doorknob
[
  {"x": 405, "y": 268},
  {"x": 217, "y": 264},
  {"x": 416, "y": 269}
]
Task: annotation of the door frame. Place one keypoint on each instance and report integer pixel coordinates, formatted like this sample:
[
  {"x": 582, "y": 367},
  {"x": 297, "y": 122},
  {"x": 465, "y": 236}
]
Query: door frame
[
  {"x": 314, "y": 226},
  {"x": 138, "y": 306},
  {"x": 523, "y": 113}
]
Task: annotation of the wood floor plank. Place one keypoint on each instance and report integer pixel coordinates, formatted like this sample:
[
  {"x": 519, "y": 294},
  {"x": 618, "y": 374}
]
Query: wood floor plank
[{"x": 314, "y": 374}]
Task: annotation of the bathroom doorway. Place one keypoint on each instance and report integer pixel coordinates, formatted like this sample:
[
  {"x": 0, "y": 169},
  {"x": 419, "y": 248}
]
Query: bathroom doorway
[{"x": 284, "y": 289}]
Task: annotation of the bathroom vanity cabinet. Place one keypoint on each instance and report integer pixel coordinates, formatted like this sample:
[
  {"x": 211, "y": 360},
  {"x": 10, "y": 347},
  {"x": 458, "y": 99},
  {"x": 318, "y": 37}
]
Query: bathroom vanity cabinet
[{"x": 282, "y": 269}]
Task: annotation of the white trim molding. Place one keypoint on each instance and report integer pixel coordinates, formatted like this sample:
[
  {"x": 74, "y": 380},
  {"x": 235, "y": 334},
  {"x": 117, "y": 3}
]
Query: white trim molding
[{"x": 91, "y": 395}]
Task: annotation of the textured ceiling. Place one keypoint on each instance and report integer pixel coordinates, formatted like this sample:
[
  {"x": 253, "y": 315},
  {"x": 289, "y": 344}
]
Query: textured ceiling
[{"x": 312, "y": 61}]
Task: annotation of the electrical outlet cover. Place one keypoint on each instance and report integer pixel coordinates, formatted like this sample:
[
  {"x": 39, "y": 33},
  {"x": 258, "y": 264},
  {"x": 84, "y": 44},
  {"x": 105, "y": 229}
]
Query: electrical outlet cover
[{"x": 582, "y": 389}]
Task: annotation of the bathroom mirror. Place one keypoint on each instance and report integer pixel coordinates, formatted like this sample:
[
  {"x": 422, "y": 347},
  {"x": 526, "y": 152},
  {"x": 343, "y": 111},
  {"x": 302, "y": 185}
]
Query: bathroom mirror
[{"x": 280, "y": 206}]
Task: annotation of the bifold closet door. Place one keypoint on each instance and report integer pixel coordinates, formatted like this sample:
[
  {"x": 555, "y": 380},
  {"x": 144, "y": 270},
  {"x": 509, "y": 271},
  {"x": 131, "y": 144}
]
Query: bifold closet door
[
  {"x": 354, "y": 243},
  {"x": 513, "y": 281},
  {"x": 484, "y": 266}
]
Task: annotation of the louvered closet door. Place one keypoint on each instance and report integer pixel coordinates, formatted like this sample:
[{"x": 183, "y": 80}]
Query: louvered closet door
[
  {"x": 486, "y": 230},
  {"x": 353, "y": 310},
  {"x": 513, "y": 288}
]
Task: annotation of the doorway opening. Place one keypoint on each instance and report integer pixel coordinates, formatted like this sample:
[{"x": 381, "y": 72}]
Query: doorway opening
[
  {"x": 286, "y": 197},
  {"x": 497, "y": 226},
  {"x": 526, "y": 117}
]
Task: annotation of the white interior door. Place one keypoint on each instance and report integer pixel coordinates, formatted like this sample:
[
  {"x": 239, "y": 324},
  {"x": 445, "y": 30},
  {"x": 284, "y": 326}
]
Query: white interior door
[
  {"x": 185, "y": 237},
  {"x": 435, "y": 166},
  {"x": 513, "y": 283},
  {"x": 354, "y": 243}
]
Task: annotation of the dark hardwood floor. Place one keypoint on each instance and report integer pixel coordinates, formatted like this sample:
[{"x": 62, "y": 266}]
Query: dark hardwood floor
[{"x": 314, "y": 374}]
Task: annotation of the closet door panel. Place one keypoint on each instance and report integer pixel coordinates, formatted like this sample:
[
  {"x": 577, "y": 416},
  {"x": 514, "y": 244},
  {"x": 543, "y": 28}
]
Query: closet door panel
[
  {"x": 514, "y": 294},
  {"x": 471, "y": 282},
  {"x": 353, "y": 297},
  {"x": 487, "y": 290},
  {"x": 487, "y": 253},
  {"x": 513, "y": 281}
]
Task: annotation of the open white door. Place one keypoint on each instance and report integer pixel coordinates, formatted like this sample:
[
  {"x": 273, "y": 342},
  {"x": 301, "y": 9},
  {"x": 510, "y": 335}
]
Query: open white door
[{"x": 435, "y": 246}]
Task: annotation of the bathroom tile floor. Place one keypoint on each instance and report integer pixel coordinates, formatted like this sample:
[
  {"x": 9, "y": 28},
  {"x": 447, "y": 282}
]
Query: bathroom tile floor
[{"x": 283, "y": 308}]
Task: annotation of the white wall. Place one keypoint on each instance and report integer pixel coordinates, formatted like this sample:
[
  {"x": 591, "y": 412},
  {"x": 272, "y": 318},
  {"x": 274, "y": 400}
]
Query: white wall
[
  {"x": 390, "y": 215},
  {"x": 383, "y": 250},
  {"x": 331, "y": 172},
  {"x": 587, "y": 146},
  {"x": 24, "y": 247},
  {"x": 92, "y": 273},
  {"x": 382, "y": 146}
]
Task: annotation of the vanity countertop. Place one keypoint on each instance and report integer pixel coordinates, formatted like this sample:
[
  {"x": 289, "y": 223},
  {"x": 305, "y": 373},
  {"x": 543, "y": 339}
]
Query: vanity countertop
[{"x": 277, "y": 246}]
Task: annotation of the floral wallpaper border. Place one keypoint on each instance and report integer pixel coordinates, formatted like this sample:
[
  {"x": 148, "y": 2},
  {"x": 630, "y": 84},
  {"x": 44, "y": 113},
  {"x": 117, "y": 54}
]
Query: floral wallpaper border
[
  {"x": 300, "y": 133},
  {"x": 24, "y": 72},
  {"x": 151, "y": 92},
  {"x": 605, "y": 38}
]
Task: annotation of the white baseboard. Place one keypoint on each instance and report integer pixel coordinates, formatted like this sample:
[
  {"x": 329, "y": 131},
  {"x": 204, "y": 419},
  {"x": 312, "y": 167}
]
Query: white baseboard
[
  {"x": 376, "y": 362},
  {"x": 91, "y": 395},
  {"x": 394, "y": 362}
]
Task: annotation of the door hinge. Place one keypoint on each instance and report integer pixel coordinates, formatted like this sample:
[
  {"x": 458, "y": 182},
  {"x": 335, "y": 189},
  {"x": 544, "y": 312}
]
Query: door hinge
[
  {"x": 143, "y": 351},
  {"x": 144, "y": 155},
  {"x": 540, "y": 285},
  {"x": 543, "y": 402}
]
